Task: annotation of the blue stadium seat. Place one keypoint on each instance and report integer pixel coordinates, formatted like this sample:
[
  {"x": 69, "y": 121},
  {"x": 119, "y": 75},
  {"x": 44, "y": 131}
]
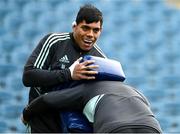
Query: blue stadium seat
[
  {"x": 5, "y": 97},
  {"x": 4, "y": 10},
  {"x": 152, "y": 66},
  {"x": 15, "y": 82},
  {"x": 173, "y": 93},
  {"x": 28, "y": 31},
  {"x": 136, "y": 9},
  {"x": 21, "y": 57},
  {"x": 168, "y": 11},
  {"x": 171, "y": 80},
  {"x": 136, "y": 80},
  {"x": 16, "y": 126},
  {"x": 164, "y": 122},
  {"x": 45, "y": 23},
  {"x": 135, "y": 56},
  {"x": 3, "y": 126},
  {"x": 23, "y": 96},
  {"x": 12, "y": 111},
  {"x": 155, "y": 82},
  {"x": 175, "y": 124},
  {"x": 171, "y": 56},
  {"x": 153, "y": 4},
  {"x": 18, "y": 3},
  {"x": 169, "y": 124},
  {"x": 154, "y": 95},
  {"x": 157, "y": 106},
  {"x": 12, "y": 21},
  {"x": 70, "y": 14},
  {"x": 9, "y": 43},
  {"x": 175, "y": 67},
  {"x": 175, "y": 44},
  {"x": 3, "y": 30},
  {"x": 6, "y": 69},
  {"x": 55, "y": 3},
  {"x": 118, "y": 4},
  {"x": 172, "y": 108},
  {"x": 33, "y": 9}
]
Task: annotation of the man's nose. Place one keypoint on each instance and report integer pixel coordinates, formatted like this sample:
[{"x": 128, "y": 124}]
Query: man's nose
[{"x": 90, "y": 33}]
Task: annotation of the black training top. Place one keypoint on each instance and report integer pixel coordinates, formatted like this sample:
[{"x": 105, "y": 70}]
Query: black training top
[
  {"x": 121, "y": 106},
  {"x": 49, "y": 63}
]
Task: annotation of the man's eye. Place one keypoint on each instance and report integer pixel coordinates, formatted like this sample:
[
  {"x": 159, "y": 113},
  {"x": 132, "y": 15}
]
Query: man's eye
[
  {"x": 96, "y": 30},
  {"x": 85, "y": 28}
]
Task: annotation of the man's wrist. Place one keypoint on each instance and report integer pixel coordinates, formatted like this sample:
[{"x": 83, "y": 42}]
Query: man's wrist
[
  {"x": 25, "y": 118},
  {"x": 71, "y": 68}
]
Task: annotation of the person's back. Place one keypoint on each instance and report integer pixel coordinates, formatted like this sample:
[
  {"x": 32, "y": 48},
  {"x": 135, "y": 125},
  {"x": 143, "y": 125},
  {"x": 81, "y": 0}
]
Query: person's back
[{"x": 121, "y": 107}]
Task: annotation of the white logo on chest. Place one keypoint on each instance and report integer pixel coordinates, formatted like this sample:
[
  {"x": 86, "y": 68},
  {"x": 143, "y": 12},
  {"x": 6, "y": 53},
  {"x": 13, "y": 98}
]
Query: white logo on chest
[{"x": 64, "y": 59}]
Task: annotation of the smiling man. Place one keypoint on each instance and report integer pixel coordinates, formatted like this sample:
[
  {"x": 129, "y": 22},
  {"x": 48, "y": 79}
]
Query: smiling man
[{"x": 55, "y": 61}]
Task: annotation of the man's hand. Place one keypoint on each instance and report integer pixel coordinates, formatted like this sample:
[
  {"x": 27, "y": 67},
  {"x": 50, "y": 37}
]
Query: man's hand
[
  {"x": 23, "y": 121},
  {"x": 24, "y": 118},
  {"x": 80, "y": 71}
]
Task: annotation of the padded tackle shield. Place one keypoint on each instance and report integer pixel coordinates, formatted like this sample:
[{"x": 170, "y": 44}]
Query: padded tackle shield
[
  {"x": 75, "y": 122},
  {"x": 108, "y": 69}
]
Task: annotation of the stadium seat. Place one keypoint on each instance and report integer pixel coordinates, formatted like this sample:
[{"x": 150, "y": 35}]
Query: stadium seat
[
  {"x": 152, "y": 66},
  {"x": 15, "y": 126},
  {"x": 29, "y": 30},
  {"x": 33, "y": 9},
  {"x": 21, "y": 57},
  {"x": 136, "y": 80},
  {"x": 172, "y": 93},
  {"x": 3, "y": 10},
  {"x": 164, "y": 122},
  {"x": 154, "y": 95},
  {"x": 19, "y": 3},
  {"x": 3, "y": 126},
  {"x": 6, "y": 69},
  {"x": 172, "y": 108},
  {"x": 175, "y": 124},
  {"x": 9, "y": 43},
  {"x": 15, "y": 82},
  {"x": 136, "y": 9},
  {"x": 44, "y": 22},
  {"x": 3, "y": 30},
  {"x": 13, "y": 21},
  {"x": 171, "y": 80},
  {"x": 5, "y": 97},
  {"x": 12, "y": 111}
]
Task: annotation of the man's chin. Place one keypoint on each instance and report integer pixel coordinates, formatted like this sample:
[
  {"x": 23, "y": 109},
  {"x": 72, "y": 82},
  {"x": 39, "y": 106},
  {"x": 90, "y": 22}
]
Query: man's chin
[{"x": 87, "y": 47}]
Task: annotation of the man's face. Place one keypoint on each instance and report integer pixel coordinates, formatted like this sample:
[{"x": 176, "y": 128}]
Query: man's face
[{"x": 86, "y": 35}]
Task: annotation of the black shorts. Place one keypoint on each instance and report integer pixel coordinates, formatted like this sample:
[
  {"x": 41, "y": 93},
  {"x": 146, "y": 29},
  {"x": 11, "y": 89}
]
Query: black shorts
[{"x": 46, "y": 123}]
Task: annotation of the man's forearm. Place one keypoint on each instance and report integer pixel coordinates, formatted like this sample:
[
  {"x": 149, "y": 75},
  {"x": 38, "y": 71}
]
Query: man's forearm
[
  {"x": 39, "y": 77},
  {"x": 35, "y": 107},
  {"x": 56, "y": 100}
]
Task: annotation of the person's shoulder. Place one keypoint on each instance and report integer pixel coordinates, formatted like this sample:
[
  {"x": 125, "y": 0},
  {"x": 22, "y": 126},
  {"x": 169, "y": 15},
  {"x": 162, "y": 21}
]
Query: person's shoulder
[
  {"x": 58, "y": 34},
  {"x": 51, "y": 38}
]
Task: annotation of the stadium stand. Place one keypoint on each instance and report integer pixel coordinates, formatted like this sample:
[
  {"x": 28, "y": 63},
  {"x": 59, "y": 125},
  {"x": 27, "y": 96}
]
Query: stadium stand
[{"x": 142, "y": 34}]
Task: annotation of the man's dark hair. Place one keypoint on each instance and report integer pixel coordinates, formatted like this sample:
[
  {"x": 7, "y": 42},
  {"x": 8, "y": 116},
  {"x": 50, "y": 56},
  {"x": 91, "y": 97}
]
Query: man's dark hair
[{"x": 90, "y": 14}]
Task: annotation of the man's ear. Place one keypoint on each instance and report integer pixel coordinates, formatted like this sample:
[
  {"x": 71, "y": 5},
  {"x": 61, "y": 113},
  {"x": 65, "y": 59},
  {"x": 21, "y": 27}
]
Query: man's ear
[{"x": 74, "y": 24}]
